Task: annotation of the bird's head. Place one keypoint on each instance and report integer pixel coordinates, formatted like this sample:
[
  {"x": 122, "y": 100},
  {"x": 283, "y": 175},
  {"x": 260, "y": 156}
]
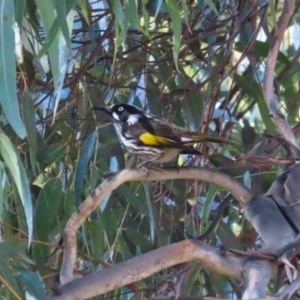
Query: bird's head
[{"x": 122, "y": 112}]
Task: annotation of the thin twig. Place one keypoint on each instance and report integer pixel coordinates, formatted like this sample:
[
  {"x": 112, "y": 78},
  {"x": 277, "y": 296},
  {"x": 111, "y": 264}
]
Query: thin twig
[{"x": 271, "y": 97}]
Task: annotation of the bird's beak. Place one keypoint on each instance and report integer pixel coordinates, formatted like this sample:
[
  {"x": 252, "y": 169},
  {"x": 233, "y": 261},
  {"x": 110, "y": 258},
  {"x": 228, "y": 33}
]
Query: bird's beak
[{"x": 106, "y": 109}]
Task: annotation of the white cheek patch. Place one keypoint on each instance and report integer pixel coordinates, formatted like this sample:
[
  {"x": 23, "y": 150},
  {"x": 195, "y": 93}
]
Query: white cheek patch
[
  {"x": 115, "y": 116},
  {"x": 133, "y": 119}
]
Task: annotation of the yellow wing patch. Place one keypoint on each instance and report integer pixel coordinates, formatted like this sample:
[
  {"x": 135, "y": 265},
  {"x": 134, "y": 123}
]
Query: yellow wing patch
[{"x": 154, "y": 140}]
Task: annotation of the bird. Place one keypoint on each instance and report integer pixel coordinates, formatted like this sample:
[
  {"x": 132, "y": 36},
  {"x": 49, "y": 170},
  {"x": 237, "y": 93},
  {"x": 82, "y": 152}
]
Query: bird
[{"x": 151, "y": 138}]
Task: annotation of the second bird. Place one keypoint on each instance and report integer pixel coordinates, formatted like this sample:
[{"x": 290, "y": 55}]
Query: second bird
[{"x": 151, "y": 138}]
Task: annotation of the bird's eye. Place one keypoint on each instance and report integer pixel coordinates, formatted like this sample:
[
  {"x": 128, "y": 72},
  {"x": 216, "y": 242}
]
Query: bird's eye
[{"x": 120, "y": 108}]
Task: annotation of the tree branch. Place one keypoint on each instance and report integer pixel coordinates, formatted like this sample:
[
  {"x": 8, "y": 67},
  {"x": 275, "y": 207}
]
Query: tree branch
[
  {"x": 271, "y": 97},
  {"x": 257, "y": 274},
  {"x": 147, "y": 264},
  {"x": 236, "y": 188}
]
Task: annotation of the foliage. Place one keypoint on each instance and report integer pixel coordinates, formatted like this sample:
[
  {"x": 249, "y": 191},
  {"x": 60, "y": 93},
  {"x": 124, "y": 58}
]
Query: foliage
[{"x": 198, "y": 64}]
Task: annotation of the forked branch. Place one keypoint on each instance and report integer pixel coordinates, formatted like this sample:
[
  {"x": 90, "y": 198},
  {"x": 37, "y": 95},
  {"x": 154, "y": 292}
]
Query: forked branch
[
  {"x": 147, "y": 264},
  {"x": 92, "y": 202}
]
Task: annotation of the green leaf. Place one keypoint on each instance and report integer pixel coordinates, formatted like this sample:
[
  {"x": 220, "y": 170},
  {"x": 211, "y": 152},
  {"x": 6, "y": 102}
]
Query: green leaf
[
  {"x": 97, "y": 243},
  {"x": 53, "y": 30},
  {"x": 50, "y": 39},
  {"x": 261, "y": 49},
  {"x": 58, "y": 50},
  {"x": 86, "y": 152},
  {"x": 176, "y": 25},
  {"x": 138, "y": 202},
  {"x": 118, "y": 12},
  {"x": 84, "y": 9},
  {"x": 10, "y": 249},
  {"x": 15, "y": 166},
  {"x": 60, "y": 7},
  {"x": 139, "y": 240},
  {"x": 185, "y": 12},
  {"x": 19, "y": 12},
  {"x": 145, "y": 17},
  {"x": 226, "y": 235},
  {"x": 206, "y": 205},
  {"x": 45, "y": 211},
  {"x": 131, "y": 13},
  {"x": 120, "y": 20},
  {"x": 20, "y": 215},
  {"x": 28, "y": 114},
  {"x": 55, "y": 153},
  {"x": 195, "y": 108},
  {"x": 10, "y": 279},
  {"x": 51, "y": 154},
  {"x": 124, "y": 248},
  {"x": 211, "y": 4},
  {"x": 272, "y": 19},
  {"x": 69, "y": 206},
  {"x": 3, "y": 118},
  {"x": 253, "y": 89},
  {"x": 46, "y": 216},
  {"x": 8, "y": 96},
  {"x": 32, "y": 283},
  {"x": 222, "y": 161}
]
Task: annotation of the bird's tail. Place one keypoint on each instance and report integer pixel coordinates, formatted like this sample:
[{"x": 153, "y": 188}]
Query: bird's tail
[{"x": 197, "y": 138}]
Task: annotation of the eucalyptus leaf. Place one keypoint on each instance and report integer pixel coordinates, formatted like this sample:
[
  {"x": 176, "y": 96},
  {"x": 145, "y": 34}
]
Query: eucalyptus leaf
[
  {"x": 28, "y": 113},
  {"x": 176, "y": 25},
  {"x": 139, "y": 239},
  {"x": 11, "y": 158},
  {"x": 32, "y": 283},
  {"x": 252, "y": 88},
  {"x": 86, "y": 152},
  {"x": 8, "y": 96},
  {"x": 9, "y": 280},
  {"x": 10, "y": 249}
]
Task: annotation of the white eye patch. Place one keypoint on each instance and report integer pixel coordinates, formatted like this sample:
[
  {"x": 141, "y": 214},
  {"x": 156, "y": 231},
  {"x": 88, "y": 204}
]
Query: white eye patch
[{"x": 115, "y": 116}]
